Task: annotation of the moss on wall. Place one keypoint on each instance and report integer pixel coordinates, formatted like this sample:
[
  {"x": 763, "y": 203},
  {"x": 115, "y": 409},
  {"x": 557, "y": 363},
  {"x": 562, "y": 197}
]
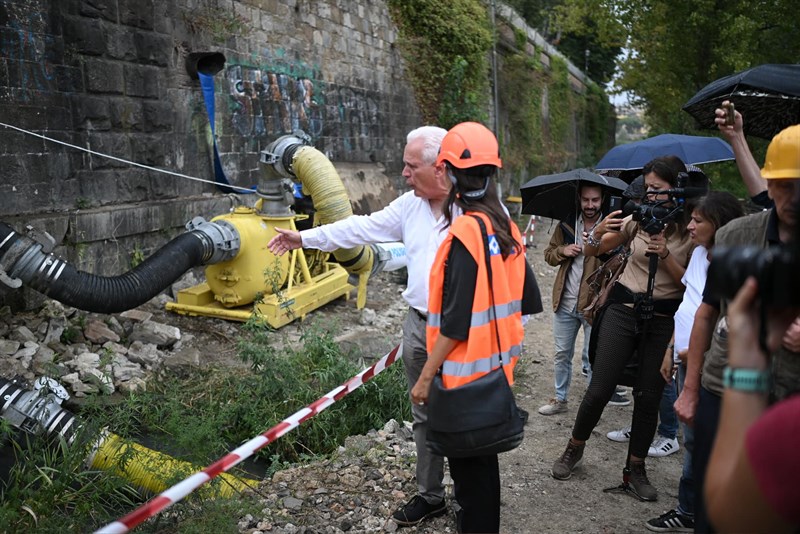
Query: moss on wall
[
  {"x": 546, "y": 126},
  {"x": 445, "y": 45}
]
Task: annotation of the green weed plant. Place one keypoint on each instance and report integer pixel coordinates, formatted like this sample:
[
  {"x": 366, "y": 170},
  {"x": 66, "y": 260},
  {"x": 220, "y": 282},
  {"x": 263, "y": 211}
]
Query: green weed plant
[{"x": 197, "y": 418}]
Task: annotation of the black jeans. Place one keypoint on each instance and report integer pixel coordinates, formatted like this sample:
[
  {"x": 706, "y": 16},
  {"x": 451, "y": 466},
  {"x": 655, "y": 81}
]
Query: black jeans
[
  {"x": 476, "y": 483},
  {"x": 617, "y": 340}
]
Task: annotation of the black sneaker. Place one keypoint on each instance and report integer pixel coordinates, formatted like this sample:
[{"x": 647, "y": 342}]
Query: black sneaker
[
  {"x": 619, "y": 400},
  {"x": 672, "y": 521},
  {"x": 523, "y": 415},
  {"x": 417, "y": 510},
  {"x": 640, "y": 484}
]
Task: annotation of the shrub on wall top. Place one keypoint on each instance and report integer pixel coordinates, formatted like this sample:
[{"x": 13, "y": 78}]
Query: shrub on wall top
[{"x": 445, "y": 45}]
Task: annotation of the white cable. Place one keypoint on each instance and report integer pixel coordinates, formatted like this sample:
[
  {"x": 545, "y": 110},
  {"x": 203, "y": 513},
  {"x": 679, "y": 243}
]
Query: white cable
[{"x": 124, "y": 160}]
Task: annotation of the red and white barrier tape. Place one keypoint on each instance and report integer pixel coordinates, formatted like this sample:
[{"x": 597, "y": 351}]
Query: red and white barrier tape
[{"x": 184, "y": 488}]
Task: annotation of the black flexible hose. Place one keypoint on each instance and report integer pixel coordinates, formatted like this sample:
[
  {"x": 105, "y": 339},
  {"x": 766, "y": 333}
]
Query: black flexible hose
[{"x": 22, "y": 258}]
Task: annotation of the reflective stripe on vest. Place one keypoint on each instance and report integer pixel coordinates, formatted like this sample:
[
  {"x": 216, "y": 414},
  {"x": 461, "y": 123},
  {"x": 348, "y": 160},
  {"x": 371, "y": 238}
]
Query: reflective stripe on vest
[
  {"x": 483, "y": 317},
  {"x": 479, "y": 354},
  {"x": 482, "y": 366}
]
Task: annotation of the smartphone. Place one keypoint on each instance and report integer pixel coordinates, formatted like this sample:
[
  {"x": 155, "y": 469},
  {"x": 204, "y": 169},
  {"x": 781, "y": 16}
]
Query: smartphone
[
  {"x": 730, "y": 116},
  {"x": 614, "y": 204}
]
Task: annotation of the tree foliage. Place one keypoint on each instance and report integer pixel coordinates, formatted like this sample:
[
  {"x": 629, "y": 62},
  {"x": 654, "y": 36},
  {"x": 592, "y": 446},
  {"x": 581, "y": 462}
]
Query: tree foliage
[
  {"x": 578, "y": 41},
  {"x": 442, "y": 42},
  {"x": 676, "y": 47}
]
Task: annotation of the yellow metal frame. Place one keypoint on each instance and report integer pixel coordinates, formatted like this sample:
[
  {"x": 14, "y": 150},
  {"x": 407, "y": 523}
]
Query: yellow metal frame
[{"x": 277, "y": 309}]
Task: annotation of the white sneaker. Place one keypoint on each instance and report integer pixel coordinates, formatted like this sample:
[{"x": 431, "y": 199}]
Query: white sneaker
[
  {"x": 553, "y": 407},
  {"x": 622, "y": 435},
  {"x": 662, "y": 446}
]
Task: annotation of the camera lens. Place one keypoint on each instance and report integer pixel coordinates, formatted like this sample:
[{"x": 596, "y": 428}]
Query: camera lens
[{"x": 731, "y": 266}]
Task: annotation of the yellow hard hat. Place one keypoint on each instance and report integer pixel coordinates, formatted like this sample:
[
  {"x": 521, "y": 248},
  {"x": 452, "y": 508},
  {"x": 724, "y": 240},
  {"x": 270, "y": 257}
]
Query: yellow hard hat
[{"x": 783, "y": 155}]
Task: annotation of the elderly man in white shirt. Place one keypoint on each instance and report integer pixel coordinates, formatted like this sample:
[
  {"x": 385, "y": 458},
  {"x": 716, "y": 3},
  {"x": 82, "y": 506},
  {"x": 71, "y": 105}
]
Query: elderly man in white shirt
[{"x": 416, "y": 219}]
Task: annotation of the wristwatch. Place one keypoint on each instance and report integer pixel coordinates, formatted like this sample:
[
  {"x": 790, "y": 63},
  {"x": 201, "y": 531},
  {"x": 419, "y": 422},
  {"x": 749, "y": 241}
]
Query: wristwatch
[{"x": 748, "y": 380}]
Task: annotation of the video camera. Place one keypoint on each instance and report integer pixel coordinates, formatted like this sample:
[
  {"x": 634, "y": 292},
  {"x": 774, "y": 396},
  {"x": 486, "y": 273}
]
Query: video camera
[{"x": 654, "y": 215}]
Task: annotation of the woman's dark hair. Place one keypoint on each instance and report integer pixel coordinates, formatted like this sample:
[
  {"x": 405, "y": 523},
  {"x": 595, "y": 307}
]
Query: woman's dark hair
[
  {"x": 473, "y": 179},
  {"x": 668, "y": 168},
  {"x": 672, "y": 170},
  {"x": 719, "y": 207}
]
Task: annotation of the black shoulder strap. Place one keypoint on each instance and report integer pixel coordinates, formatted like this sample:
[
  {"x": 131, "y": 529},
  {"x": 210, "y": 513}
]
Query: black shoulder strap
[
  {"x": 567, "y": 231},
  {"x": 487, "y": 256}
]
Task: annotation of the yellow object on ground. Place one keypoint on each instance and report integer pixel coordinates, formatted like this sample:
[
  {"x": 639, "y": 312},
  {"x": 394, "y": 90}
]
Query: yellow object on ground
[{"x": 156, "y": 472}]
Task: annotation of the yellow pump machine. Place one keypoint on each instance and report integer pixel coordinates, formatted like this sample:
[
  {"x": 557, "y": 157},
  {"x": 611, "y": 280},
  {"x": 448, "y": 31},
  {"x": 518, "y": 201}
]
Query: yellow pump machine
[{"x": 281, "y": 289}]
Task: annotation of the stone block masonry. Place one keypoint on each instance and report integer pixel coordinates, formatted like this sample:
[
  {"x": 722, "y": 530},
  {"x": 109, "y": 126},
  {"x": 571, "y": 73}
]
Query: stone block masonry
[{"x": 110, "y": 76}]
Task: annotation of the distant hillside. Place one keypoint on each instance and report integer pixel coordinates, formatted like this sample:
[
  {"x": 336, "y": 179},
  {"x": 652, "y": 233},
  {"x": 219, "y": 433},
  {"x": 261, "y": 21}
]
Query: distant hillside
[{"x": 630, "y": 124}]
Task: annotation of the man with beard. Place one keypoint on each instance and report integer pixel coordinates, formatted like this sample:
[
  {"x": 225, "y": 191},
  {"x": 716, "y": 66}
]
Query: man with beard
[{"x": 571, "y": 293}]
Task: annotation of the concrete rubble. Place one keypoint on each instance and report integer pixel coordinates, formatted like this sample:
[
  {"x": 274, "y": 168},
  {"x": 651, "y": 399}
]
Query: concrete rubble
[
  {"x": 88, "y": 353},
  {"x": 354, "y": 492}
]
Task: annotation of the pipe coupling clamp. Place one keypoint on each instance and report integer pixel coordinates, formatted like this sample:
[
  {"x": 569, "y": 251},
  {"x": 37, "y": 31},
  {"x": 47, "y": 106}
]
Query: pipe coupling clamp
[
  {"x": 222, "y": 239},
  {"x": 37, "y": 411},
  {"x": 279, "y": 155}
]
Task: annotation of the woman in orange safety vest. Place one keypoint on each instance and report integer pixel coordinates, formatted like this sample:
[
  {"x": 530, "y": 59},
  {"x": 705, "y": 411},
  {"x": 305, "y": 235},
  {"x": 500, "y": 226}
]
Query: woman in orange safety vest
[{"x": 465, "y": 320}]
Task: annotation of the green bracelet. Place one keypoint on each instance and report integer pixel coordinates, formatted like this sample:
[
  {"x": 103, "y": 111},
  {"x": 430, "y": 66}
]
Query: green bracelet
[{"x": 748, "y": 380}]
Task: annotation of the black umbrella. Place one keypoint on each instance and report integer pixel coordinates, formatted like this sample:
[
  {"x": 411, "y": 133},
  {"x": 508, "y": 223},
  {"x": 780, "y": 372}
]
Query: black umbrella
[
  {"x": 556, "y": 195},
  {"x": 767, "y": 96}
]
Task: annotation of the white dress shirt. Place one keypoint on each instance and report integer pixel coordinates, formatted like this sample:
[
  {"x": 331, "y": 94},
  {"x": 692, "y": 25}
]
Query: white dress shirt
[{"x": 408, "y": 219}]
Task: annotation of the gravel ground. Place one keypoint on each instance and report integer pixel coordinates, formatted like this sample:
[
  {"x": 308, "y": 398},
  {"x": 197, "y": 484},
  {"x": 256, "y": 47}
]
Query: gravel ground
[
  {"x": 373, "y": 475},
  {"x": 532, "y": 501}
]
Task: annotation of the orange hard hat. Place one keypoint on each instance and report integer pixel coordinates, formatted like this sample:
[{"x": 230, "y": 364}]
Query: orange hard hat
[{"x": 469, "y": 144}]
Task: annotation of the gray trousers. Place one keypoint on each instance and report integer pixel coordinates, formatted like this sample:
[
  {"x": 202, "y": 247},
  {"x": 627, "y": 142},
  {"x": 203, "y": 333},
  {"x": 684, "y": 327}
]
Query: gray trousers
[{"x": 430, "y": 467}]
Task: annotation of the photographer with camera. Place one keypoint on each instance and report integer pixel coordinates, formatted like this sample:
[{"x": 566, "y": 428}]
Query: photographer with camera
[
  {"x": 700, "y": 400},
  {"x": 639, "y": 318},
  {"x": 750, "y": 485}
]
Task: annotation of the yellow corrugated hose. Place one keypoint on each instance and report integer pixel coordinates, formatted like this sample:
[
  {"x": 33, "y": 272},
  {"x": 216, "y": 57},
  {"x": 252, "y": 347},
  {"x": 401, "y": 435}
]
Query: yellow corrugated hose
[
  {"x": 154, "y": 471},
  {"x": 322, "y": 182}
]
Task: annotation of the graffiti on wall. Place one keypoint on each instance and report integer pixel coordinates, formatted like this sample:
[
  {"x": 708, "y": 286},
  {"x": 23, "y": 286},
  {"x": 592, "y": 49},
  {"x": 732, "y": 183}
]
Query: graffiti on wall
[
  {"x": 27, "y": 46},
  {"x": 359, "y": 122},
  {"x": 268, "y": 103},
  {"x": 274, "y": 100}
]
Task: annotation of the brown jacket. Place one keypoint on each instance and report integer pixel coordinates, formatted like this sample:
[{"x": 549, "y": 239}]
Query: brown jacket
[{"x": 554, "y": 255}]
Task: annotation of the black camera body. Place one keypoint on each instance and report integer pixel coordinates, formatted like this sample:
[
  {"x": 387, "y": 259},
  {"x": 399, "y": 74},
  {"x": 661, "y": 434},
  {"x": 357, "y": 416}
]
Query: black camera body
[
  {"x": 652, "y": 217},
  {"x": 776, "y": 270}
]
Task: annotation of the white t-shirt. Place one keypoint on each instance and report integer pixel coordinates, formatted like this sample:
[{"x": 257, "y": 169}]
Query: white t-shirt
[
  {"x": 695, "y": 281},
  {"x": 408, "y": 219}
]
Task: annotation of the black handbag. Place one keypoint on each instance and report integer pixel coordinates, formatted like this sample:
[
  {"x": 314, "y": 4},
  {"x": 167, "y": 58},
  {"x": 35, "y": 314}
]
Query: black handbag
[{"x": 479, "y": 418}]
